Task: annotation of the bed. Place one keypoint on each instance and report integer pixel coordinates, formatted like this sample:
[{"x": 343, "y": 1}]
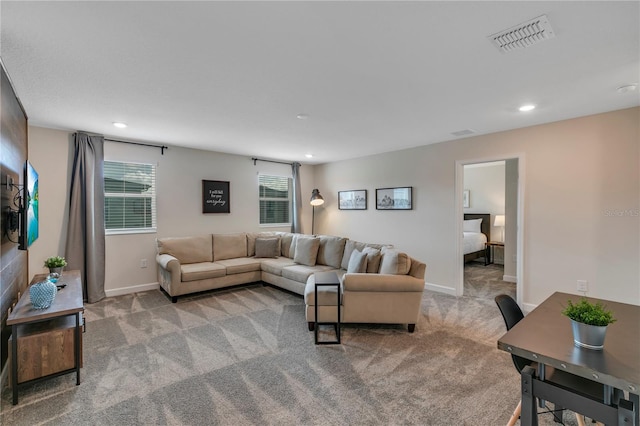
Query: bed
[{"x": 476, "y": 234}]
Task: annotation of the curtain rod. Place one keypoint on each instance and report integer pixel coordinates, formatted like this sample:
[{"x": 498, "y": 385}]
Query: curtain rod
[
  {"x": 162, "y": 147},
  {"x": 254, "y": 159}
]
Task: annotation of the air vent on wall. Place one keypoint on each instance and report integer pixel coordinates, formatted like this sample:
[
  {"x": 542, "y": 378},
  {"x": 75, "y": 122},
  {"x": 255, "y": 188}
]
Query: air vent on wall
[
  {"x": 465, "y": 132},
  {"x": 523, "y": 35}
]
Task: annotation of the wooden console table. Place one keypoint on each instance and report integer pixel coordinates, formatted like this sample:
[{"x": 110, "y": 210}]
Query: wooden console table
[{"x": 46, "y": 343}]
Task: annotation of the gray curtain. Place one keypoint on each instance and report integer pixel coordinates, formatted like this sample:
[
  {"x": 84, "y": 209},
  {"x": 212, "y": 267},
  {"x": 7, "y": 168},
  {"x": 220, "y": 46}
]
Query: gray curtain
[
  {"x": 296, "y": 225},
  {"x": 85, "y": 234}
]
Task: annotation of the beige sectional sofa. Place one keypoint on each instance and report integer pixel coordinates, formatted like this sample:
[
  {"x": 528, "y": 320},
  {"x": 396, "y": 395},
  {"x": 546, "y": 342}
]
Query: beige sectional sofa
[{"x": 379, "y": 284}]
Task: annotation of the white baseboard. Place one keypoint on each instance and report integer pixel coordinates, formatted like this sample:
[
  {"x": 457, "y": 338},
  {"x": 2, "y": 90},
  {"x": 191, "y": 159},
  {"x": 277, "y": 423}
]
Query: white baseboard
[
  {"x": 440, "y": 289},
  {"x": 528, "y": 307},
  {"x": 509, "y": 278},
  {"x": 133, "y": 289}
]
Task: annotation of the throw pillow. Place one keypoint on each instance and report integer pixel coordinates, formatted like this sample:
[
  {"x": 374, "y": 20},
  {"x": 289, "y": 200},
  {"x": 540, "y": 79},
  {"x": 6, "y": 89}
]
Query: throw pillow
[
  {"x": 267, "y": 247},
  {"x": 357, "y": 262},
  {"x": 373, "y": 259},
  {"x": 306, "y": 250},
  {"x": 471, "y": 225},
  {"x": 331, "y": 251},
  {"x": 394, "y": 262}
]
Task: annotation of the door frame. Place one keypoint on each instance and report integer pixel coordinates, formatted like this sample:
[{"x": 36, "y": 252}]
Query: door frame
[{"x": 459, "y": 188}]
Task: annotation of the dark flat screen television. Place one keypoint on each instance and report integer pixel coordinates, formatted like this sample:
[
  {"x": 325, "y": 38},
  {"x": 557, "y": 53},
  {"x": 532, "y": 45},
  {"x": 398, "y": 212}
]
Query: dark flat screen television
[{"x": 30, "y": 206}]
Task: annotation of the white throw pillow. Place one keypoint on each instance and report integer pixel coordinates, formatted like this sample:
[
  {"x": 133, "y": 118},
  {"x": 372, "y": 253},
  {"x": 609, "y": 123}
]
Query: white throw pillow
[
  {"x": 394, "y": 262},
  {"x": 472, "y": 225},
  {"x": 357, "y": 262}
]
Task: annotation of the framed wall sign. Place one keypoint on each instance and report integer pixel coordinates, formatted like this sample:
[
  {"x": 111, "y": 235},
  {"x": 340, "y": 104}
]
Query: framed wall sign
[
  {"x": 394, "y": 198},
  {"x": 215, "y": 196},
  {"x": 352, "y": 200}
]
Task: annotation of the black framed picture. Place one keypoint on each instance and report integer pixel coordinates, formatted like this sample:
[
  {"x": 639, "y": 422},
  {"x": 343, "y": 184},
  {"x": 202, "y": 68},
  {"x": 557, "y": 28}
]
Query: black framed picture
[
  {"x": 394, "y": 198},
  {"x": 215, "y": 196},
  {"x": 352, "y": 200}
]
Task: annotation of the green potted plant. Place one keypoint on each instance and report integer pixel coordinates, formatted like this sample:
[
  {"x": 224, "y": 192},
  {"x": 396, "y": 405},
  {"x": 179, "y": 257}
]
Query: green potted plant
[
  {"x": 55, "y": 264},
  {"x": 589, "y": 322}
]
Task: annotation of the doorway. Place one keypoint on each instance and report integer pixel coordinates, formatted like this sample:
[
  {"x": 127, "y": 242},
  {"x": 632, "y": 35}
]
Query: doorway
[{"x": 491, "y": 189}]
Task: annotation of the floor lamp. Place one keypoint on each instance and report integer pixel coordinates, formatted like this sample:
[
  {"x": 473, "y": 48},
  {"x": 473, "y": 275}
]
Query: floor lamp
[{"x": 316, "y": 200}]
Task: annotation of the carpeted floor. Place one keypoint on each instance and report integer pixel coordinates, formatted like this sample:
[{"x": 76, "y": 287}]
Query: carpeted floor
[
  {"x": 245, "y": 357},
  {"x": 486, "y": 281}
]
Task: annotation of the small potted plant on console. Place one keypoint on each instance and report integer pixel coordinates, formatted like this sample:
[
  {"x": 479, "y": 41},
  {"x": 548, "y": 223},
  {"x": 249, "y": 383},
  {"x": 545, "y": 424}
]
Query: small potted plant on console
[
  {"x": 55, "y": 264},
  {"x": 589, "y": 322}
]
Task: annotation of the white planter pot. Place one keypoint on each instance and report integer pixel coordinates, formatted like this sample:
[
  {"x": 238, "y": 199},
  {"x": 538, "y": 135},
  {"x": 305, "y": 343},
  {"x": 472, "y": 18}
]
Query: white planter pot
[{"x": 588, "y": 336}]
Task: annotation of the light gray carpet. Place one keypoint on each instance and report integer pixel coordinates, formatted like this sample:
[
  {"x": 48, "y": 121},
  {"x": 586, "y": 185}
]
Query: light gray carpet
[
  {"x": 486, "y": 281},
  {"x": 245, "y": 357}
]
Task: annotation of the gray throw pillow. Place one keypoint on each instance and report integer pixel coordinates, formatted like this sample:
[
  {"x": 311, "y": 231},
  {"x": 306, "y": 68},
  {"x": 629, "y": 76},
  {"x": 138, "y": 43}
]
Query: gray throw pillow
[
  {"x": 306, "y": 250},
  {"x": 357, "y": 262},
  {"x": 267, "y": 247},
  {"x": 373, "y": 259}
]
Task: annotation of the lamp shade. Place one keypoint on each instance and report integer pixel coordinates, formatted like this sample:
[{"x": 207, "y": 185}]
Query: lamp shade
[
  {"x": 499, "y": 220},
  {"x": 316, "y": 198}
]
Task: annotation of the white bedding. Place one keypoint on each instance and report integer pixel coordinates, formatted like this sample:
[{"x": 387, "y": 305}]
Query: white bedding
[{"x": 473, "y": 241}]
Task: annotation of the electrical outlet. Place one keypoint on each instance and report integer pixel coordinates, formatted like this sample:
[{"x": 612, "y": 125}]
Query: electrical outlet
[
  {"x": 143, "y": 263},
  {"x": 583, "y": 285}
]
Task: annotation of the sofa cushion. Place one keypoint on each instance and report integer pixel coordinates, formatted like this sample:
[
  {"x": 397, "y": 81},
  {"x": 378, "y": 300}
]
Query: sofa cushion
[
  {"x": 286, "y": 242},
  {"x": 229, "y": 246},
  {"x": 267, "y": 247},
  {"x": 330, "y": 251},
  {"x": 240, "y": 265},
  {"x": 187, "y": 249},
  {"x": 274, "y": 266},
  {"x": 251, "y": 240},
  {"x": 394, "y": 262},
  {"x": 306, "y": 250},
  {"x": 374, "y": 256},
  {"x": 201, "y": 271},
  {"x": 357, "y": 263},
  {"x": 349, "y": 247},
  {"x": 300, "y": 273}
]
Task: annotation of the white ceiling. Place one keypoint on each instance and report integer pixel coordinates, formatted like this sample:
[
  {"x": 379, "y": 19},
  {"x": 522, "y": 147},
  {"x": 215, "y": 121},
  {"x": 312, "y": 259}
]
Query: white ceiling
[{"x": 372, "y": 76}]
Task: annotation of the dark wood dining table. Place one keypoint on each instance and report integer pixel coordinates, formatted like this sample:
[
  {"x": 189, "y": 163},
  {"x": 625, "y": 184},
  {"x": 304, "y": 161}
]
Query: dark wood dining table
[{"x": 545, "y": 336}]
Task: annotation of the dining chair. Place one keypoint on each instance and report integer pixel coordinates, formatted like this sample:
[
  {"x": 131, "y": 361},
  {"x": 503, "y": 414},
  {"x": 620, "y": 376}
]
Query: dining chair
[{"x": 512, "y": 314}]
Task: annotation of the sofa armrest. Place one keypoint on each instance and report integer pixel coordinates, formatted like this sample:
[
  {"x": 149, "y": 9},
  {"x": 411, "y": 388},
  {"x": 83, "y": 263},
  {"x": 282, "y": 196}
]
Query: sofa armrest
[
  {"x": 382, "y": 283},
  {"x": 172, "y": 267}
]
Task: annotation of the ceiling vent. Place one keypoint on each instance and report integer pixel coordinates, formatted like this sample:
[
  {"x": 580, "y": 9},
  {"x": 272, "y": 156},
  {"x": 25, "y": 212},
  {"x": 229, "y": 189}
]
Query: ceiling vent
[
  {"x": 523, "y": 35},
  {"x": 465, "y": 132}
]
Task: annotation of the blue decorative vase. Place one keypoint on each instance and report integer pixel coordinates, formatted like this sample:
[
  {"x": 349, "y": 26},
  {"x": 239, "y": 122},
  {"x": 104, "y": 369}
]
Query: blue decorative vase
[{"x": 42, "y": 294}]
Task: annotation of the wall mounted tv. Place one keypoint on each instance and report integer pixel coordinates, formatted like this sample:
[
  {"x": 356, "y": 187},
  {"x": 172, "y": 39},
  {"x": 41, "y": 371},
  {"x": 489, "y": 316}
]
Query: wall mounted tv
[{"x": 29, "y": 220}]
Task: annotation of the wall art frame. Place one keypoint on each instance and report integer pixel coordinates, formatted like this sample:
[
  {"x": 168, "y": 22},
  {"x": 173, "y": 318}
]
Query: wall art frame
[
  {"x": 215, "y": 196},
  {"x": 352, "y": 200},
  {"x": 398, "y": 198}
]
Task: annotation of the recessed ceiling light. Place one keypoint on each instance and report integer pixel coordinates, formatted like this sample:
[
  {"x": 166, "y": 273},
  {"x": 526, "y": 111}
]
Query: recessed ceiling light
[
  {"x": 119, "y": 124},
  {"x": 302, "y": 116},
  {"x": 627, "y": 88},
  {"x": 525, "y": 108},
  {"x": 309, "y": 155}
]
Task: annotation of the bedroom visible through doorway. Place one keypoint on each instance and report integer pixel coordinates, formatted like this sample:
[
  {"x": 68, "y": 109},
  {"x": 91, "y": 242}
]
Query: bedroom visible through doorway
[{"x": 489, "y": 198}]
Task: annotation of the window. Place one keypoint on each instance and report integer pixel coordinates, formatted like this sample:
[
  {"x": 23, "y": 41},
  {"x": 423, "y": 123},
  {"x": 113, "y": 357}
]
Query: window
[
  {"x": 275, "y": 200},
  {"x": 129, "y": 197}
]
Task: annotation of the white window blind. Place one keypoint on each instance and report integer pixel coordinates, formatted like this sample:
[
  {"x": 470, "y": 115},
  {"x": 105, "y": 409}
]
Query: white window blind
[
  {"x": 275, "y": 200},
  {"x": 129, "y": 197}
]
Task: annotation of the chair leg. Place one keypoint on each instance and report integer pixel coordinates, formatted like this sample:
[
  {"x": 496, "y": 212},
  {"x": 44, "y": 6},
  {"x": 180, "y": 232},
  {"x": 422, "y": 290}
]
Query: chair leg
[{"x": 516, "y": 415}]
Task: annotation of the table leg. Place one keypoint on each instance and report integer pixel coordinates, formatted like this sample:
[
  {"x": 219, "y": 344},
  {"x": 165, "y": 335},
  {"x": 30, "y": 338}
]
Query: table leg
[
  {"x": 14, "y": 363},
  {"x": 315, "y": 309},
  {"x": 529, "y": 413},
  {"x": 77, "y": 349}
]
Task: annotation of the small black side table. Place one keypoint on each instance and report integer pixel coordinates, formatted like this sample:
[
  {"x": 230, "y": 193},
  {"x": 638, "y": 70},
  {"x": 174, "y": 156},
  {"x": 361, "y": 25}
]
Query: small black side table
[{"x": 327, "y": 279}]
